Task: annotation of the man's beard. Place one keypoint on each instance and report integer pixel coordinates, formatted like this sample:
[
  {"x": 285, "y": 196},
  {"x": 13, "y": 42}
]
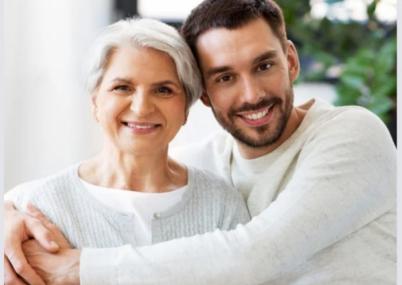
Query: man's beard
[{"x": 265, "y": 137}]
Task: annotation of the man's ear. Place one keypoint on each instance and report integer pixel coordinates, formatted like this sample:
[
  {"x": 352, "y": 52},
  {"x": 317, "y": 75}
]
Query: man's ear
[
  {"x": 293, "y": 61},
  {"x": 205, "y": 99}
]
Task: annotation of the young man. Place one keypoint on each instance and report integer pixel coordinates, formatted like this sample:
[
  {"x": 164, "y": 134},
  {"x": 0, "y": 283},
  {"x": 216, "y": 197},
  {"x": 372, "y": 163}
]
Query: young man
[{"x": 318, "y": 180}]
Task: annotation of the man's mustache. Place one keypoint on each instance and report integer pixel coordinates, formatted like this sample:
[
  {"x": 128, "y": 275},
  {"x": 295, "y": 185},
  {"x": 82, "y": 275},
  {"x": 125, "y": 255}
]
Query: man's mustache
[{"x": 265, "y": 102}]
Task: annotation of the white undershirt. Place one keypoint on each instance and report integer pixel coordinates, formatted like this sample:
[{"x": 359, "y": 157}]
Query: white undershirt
[{"x": 143, "y": 205}]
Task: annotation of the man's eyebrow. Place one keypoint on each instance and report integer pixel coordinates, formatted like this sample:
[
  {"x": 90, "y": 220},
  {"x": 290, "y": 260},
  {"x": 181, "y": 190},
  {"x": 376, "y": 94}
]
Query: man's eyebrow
[
  {"x": 216, "y": 70},
  {"x": 265, "y": 56}
]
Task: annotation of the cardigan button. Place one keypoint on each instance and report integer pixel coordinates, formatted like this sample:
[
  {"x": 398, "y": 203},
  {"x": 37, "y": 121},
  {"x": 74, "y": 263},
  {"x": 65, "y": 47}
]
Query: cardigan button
[{"x": 157, "y": 215}]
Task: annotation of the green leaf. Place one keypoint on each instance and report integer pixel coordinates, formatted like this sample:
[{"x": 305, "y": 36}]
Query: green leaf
[
  {"x": 371, "y": 9},
  {"x": 333, "y": 1}
]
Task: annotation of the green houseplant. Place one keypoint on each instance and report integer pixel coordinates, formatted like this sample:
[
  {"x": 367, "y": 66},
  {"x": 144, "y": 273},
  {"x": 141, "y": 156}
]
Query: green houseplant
[{"x": 358, "y": 57}]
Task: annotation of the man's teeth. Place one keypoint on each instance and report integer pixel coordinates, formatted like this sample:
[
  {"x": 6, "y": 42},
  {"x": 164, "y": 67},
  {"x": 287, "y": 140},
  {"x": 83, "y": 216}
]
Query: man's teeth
[{"x": 257, "y": 115}]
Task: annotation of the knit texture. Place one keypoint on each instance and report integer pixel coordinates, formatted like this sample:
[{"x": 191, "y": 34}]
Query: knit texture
[
  {"x": 208, "y": 204},
  {"x": 323, "y": 213}
]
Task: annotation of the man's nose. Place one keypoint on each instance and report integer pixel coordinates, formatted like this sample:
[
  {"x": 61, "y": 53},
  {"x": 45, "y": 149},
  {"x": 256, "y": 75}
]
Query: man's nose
[{"x": 252, "y": 91}]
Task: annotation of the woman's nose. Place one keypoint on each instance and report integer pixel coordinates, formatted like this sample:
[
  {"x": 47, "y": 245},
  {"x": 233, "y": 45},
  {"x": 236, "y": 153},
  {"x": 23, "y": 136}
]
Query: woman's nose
[{"x": 141, "y": 104}]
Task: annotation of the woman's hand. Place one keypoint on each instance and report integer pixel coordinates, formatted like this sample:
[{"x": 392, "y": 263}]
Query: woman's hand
[
  {"x": 54, "y": 268},
  {"x": 60, "y": 268},
  {"x": 18, "y": 228}
]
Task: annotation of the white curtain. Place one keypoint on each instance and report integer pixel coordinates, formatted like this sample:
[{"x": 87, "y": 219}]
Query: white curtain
[{"x": 46, "y": 111}]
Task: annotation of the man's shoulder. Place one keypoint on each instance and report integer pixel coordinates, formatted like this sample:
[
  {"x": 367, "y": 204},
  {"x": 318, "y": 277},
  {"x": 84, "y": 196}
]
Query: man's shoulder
[
  {"x": 347, "y": 131},
  {"x": 353, "y": 121},
  {"x": 354, "y": 114},
  {"x": 205, "y": 154}
]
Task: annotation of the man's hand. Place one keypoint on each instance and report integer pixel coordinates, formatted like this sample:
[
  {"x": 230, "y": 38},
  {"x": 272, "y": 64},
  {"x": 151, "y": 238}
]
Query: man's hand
[
  {"x": 19, "y": 227},
  {"x": 61, "y": 268}
]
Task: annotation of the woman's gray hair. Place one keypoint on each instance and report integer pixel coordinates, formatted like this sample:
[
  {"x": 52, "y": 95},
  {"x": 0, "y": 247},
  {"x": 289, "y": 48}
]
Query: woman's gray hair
[{"x": 146, "y": 33}]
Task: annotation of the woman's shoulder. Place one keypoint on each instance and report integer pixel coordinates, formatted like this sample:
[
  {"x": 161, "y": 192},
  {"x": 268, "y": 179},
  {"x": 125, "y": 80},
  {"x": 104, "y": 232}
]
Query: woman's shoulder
[
  {"x": 214, "y": 192},
  {"x": 31, "y": 190},
  {"x": 203, "y": 178}
]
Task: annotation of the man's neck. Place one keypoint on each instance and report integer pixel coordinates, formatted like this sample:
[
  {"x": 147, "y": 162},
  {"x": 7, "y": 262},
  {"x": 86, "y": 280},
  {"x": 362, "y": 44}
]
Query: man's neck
[{"x": 295, "y": 119}]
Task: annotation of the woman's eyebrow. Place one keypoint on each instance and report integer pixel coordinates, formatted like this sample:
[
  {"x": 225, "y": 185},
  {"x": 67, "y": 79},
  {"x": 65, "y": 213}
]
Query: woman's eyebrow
[
  {"x": 122, "y": 79},
  {"x": 165, "y": 82}
]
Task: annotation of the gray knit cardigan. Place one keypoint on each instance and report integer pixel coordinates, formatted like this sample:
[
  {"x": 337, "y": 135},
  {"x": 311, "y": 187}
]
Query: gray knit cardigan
[{"x": 208, "y": 204}]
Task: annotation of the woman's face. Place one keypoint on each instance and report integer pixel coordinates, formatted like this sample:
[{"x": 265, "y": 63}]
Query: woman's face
[{"x": 140, "y": 102}]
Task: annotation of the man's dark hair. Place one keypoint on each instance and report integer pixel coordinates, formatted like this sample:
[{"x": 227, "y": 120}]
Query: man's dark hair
[{"x": 232, "y": 14}]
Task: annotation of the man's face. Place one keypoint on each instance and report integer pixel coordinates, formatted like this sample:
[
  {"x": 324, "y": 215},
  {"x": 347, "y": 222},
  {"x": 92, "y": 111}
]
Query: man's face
[{"x": 248, "y": 81}]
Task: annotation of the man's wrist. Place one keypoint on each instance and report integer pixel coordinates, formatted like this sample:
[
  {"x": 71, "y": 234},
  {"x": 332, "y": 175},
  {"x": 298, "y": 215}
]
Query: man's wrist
[{"x": 103, "y": 265}]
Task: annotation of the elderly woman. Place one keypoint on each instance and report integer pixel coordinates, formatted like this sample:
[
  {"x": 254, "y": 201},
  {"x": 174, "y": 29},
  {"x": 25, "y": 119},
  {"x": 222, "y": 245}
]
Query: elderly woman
[{"x": 143, "y": 79}]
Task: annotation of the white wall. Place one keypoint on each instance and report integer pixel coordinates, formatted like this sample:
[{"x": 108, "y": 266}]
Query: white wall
[
  {"x": 167, "y": 10},
  {"x": 1, "y": 135}
]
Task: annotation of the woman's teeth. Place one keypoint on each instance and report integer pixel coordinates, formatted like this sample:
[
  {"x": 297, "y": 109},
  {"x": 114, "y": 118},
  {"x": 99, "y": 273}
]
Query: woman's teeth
[{"x": 140, "y": 126}]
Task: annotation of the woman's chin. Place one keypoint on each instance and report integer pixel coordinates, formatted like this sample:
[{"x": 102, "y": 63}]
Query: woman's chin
[{"x": 142, "y": 148}]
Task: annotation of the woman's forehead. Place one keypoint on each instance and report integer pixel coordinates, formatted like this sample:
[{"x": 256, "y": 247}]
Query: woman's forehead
[{"x": 141, "y": 62}]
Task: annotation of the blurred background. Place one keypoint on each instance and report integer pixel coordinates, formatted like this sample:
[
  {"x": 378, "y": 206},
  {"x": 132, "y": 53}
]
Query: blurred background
[{"x": 347, "y": 50}]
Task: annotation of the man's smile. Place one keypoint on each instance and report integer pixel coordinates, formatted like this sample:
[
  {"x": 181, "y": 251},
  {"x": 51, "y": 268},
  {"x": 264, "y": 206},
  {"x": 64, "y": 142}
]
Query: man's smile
[{"x": 258, "y": 117}]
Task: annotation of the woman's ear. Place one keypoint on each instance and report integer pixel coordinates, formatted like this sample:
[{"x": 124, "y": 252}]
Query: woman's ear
[
  {"x": 205, "y": 99},
  {"x": 94, "y": 107}
]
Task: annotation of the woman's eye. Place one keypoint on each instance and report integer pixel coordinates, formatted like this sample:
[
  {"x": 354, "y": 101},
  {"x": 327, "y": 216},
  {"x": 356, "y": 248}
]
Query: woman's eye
[
  {"x": 122, "y": 88},
  {"x": 163, "y": 90},
  {"x": 264, "y": 66}
]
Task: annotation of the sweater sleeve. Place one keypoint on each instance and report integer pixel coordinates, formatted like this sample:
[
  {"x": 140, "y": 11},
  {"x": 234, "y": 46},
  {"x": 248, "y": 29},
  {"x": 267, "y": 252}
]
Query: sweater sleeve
[
  {"x": 345, "y": 179},
  {"x": 21, "y": 195}
]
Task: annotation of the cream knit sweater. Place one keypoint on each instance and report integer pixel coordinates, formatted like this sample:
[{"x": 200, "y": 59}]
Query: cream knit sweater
[{"x": 324, "y": 214}]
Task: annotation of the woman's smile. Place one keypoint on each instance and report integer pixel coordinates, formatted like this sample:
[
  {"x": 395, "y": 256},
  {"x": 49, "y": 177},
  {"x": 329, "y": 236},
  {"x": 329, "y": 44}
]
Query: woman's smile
[
  {"x": 140, "y": 103},
  {"x": 141, "y": 128}
]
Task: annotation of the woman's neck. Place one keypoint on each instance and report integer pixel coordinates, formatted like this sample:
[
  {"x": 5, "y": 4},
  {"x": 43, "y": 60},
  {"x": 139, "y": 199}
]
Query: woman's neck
[{"x": 140, "y": 172}]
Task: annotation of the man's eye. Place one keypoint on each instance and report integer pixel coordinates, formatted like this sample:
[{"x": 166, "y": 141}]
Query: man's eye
[
  {"x": 264, "y": 66},
  {"x": 224, "y": 78}
]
